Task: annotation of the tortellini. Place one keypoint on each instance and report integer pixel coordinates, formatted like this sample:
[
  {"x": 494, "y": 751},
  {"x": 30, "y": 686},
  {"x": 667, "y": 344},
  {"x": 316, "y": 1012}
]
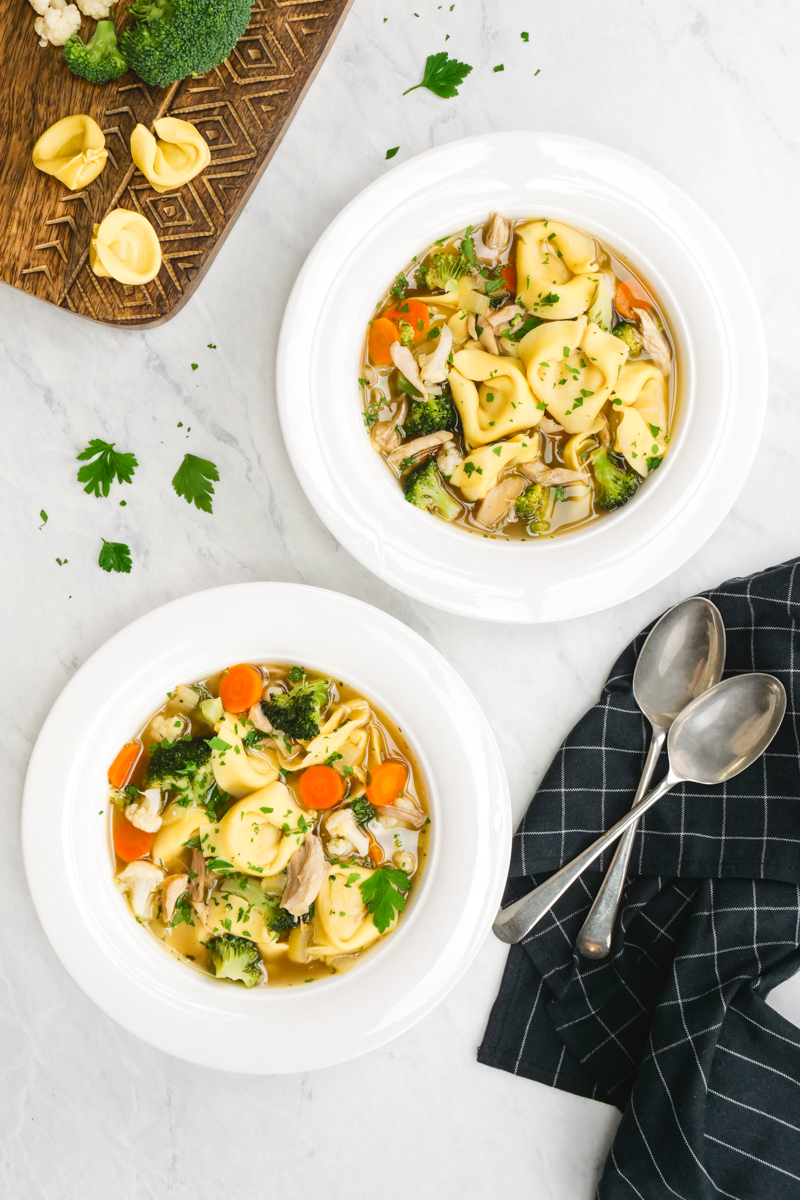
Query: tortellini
[
  {"x": 73, "y": 150},
  {"x": 178, "y": 825},
  {"x": 344, "y": 925},
  {"x": 260, "y": 833},
  {"x": 235, "y": 772},
  {"x": 481, "y": 469},
  {"x": 572, "y": 368},
  {"x": 642, "y": 432},
  {"x": 125, "y": 246},
  {"x": 557, "y": 269},
  {"x": 504, "y": 402},
  {"x": 227, "y": 912},
  {"x": 635, "y": 441},
  {"x": 180, "y": 153}
]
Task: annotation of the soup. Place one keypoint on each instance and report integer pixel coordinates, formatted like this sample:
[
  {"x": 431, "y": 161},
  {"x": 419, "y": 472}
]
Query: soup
[
  {"x": 269, "y": 824},
  {"x": 518, "y": 381}
]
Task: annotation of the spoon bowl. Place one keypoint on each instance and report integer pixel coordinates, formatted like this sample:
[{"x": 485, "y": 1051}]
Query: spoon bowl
[{"x": 726, "y": 729}]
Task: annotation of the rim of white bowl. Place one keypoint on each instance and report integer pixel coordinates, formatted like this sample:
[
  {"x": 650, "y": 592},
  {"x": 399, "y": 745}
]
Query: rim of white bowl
[
  {"x": 401, "y": 213},
  {"x": 120, "y": 966}
]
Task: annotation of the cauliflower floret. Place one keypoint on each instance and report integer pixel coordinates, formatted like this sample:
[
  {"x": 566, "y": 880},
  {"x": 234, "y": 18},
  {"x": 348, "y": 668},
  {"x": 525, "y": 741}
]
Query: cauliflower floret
[
  {"x": 139, "y": 881},
  {"x": 448, "y": 459},
  {"x": 98, "y": 10},
  {"x": 341, "y": 827},
  {"x": 144, "y": 812},
  {"x": 40, "y": 6},
  {"x": 58, "y": 23}
]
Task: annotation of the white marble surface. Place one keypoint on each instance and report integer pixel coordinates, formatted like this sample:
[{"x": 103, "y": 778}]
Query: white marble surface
[{"x": 705, "y": 90}]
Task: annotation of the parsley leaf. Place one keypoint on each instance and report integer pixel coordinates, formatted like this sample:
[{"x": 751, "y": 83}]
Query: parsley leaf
[
  {"x": 193, "y": 481},
  {"x": 108, "y": 465},
  {"x": 442, "y": 75},
  {"x": 115, "y": 556},
  {"x": 383, "y": 895},
  {"x": 391, "y": 153}
]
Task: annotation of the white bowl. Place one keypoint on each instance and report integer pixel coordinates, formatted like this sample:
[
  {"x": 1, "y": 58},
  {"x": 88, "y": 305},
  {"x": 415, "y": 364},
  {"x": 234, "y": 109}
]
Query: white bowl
[
  {"x": 711, "y": 313},
  {"x": 67, "y": 848}
]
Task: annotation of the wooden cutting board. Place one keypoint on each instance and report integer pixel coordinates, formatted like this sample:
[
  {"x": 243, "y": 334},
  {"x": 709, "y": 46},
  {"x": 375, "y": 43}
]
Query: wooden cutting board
[{"x": 241, "y": 107}]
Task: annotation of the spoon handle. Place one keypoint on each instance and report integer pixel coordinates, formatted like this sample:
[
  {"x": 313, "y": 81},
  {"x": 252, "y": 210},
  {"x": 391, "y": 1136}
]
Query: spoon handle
[
  {"x": 594, "y": 939},
  {"x": 512, "y": 923}
]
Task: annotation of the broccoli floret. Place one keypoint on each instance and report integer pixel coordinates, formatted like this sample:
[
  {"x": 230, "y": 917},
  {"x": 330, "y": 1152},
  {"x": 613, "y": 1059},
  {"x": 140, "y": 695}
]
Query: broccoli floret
[
  {"x": 425, "y": 489},
  {"x": 175, "y": 38},
  {"x": 235, "y": 958},
  {"x": 446, "y": 267},
  {"x": 276, "y": 919},
  {"x": 98, "y": 60},
  {"x": 630, "y": 335},
  {"x": 428, "y": 416},
  {"x": 297, "y": 713},
  {"x": 613, "y": 486},
  {"x": 362, "y": 810},
  {"x": 533, "y": 504},
  {"x": 182, "y": 766}
]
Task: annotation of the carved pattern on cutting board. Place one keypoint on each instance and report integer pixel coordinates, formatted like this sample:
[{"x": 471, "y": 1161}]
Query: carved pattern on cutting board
[{"x": 241, "y": 108}]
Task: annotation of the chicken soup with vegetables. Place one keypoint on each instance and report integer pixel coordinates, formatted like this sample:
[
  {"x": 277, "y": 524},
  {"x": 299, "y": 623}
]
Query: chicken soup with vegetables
[
  {"x": 269, "y": 825},
  {"x": 519, "y": 380}
]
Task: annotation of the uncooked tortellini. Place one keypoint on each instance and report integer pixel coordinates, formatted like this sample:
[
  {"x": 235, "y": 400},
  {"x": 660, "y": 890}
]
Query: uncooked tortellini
[
  {"x": 572, "y": 368},
  {"x": 73, "y": 150},
  {"x": 180, "y": 153},
  {"x": 125, "y": 246}
]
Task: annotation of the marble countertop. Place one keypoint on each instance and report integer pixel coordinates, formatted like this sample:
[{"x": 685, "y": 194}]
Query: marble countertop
[{"x": 703, "y": 90}]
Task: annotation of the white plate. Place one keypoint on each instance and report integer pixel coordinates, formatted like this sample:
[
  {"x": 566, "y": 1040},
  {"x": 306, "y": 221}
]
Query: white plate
[
  {"x": 67, "y": 848},
  {"x": 709, "y": 307}
]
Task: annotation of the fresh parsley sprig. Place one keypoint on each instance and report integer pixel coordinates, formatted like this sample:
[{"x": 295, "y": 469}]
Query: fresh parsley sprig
[
  {"x": 115, "y": 556},
  {"x": 384, "y": 895},
  {"x": 442, "y": 76},
  {"x": 104, "y": 464},
  {"x": 193, "y": 481}
]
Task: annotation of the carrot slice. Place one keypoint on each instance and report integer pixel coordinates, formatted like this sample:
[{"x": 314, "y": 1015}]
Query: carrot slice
[
  {"x": 130, "y": 843},
  {"x": 382, "y": 334},
  {"x": 413, "y": 313},
  {"x": 321, "y": 787},
  {"x": 375, "y": 851},
  {"x": 121, "y": 768},
  {"x": 240, "y": 688},
  {"x": 624, "y": 300},
  {"x": 387, "y": 782},
  {"x": 509, "y": 276}
]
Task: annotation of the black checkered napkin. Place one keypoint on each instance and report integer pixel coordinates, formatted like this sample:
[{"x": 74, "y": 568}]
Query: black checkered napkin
[{"x": 673, "y": 1027}]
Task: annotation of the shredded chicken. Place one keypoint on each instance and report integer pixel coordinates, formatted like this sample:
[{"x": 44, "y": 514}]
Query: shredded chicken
[
  {"x": 551, "y": 476},
  {"x": 448, "y": 459},
  {"x": 256, "y": 717},
  {"x": 144, "y": 813},
  {"x": 420, "y": 447},
  {"x": 197, "y": 876},
  {"x": 498, "y": 501},
  {"x": 414, "y": 816},
  {"x": 139, "y": 881},
  {"x": 654, "y": 341},
  {"x": 385, "y": 435},
  {"x": 172, "y": 888},
  {"x": 504, "y": 314},
  {"x": 306, "y": 872},
  {"x": 403, "y": 359},
  {"x": 548, "y": 425},
  {"x": 488, "y": 340},
  {"x": 472, "y": 328},
  {"x": 434, "y": 366},
  {"x": 496, "y": 232},
  {"x": 342, "y": 826}
]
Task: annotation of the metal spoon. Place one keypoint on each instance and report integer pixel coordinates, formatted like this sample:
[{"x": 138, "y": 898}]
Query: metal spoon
[
  {"x": 714, "y": 738},
  {"x": 683, "y": 657}
]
